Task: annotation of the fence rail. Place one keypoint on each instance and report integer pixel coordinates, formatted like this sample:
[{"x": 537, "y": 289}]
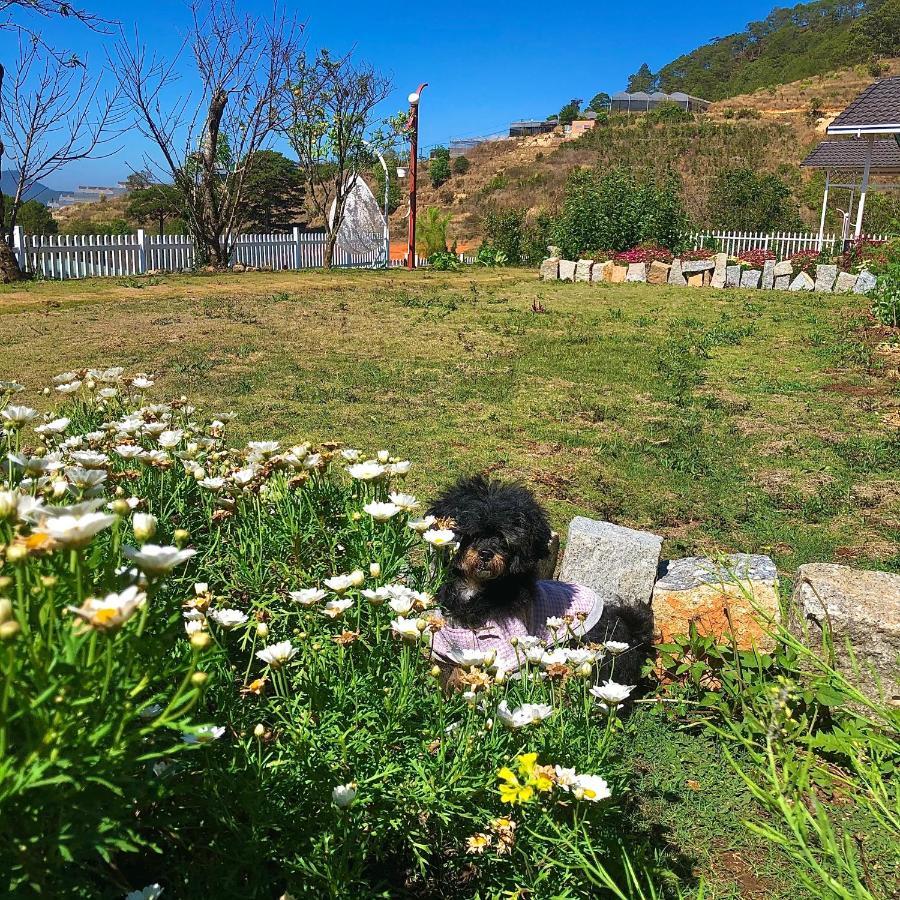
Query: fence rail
[
  {"x": 64, "y": 256},
  {"x": 782, "y": 243}
]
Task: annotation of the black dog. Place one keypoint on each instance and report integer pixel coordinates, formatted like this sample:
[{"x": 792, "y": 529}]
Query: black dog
[{"x": 503, "y": 537}]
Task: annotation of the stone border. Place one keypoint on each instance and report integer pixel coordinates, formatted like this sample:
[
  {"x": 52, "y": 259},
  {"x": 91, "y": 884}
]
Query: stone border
[{"x": 715, "y": 272}]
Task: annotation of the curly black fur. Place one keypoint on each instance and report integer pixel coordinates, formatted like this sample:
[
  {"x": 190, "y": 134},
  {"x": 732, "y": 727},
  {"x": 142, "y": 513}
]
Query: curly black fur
[{"x": 503, "y": 536}]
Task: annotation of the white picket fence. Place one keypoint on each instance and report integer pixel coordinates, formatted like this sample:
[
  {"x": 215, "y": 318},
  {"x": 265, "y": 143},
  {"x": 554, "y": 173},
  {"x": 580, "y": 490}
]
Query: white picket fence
[
  {"x": 783, "y": 243},
  {"x": 63, "y": 256}
]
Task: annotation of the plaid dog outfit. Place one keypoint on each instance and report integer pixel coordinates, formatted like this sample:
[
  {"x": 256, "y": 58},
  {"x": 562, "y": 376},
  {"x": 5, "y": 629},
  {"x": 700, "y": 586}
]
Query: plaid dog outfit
[{"x": 553, "y": 599}]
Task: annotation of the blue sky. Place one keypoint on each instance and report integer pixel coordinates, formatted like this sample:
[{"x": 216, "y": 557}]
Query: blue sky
[{"x": 486, "y": 64}]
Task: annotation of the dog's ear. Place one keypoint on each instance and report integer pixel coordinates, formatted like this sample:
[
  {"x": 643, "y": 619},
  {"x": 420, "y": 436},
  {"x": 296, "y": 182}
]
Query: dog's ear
[{"x": 460, "y": 500}]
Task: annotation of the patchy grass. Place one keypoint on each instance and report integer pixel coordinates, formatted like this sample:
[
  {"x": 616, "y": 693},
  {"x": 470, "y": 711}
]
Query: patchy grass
[{"x": 723, "y": 420}]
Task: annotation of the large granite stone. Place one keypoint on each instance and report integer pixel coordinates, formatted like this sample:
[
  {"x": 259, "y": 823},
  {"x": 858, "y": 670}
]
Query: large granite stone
[
  {"x": 735, "y": 598},
  {"x": 697, "y": 265},
  {"x": 601, "y": 271},
  {"x": 567, "y": 269},
  {"x": 865, "y": 282},
  {"x": 825, "y": 278},
  {"x": 861, "y": 609},
  {"x": 550, "y": 269},
  {"x": 845, "y": 283},
  {"x": 718, "y": 277},
  {"x": 618, "y": 274},
  {"x": 732, "y": 276},
  {"x": 676, "y": 276},
  {"x": 658, "y": 273},
  {"x": 783, "y": 268},
  {"x": 782, "y": 282},
  {"x": 802, "y": 282},
  {"x": 618, "y": 563},
  {"x": 750, "y": 278},
  {"x": 696, "y": 279},
  {"x": 768, "y": 276},
  {"x": 636, "y": 272},
  {"x": 583, "y": 269}
]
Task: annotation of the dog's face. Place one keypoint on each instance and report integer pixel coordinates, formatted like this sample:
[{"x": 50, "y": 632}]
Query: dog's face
[{"x": 501, "y": 529}]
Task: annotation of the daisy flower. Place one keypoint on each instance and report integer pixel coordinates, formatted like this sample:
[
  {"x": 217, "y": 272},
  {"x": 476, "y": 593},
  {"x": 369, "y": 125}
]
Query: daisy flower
[
  {"x": 204, "y": 734},
  {"x": 422, "y": 525},
  {"x": 406, "y": 502},
  {"x": 610, "y": 693},
  {"x": 616, "y": 647},
  {"x": 276, "y": 655},
  {"x": 153, "y": 559},
  {"x": 526, "y": 714},
  {"x": 76, "y": 530},
  {"x": 112, "y": 611},
  {"x": 366, "y": 471},
  {"x": 408, "y": 629},
  {"x": 307, "y": 596},
  {"x": 344, "y": 794},
  {"x": 381, "y": 512},
  {"x": 590, "y": 787},
  {"x": 228, "y": 618},
  {"x": 439, "y": 537},
  {"x": 334, "y": 609}
]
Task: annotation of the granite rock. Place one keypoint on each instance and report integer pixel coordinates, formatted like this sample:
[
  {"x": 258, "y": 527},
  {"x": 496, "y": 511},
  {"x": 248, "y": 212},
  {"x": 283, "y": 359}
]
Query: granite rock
[
  {"x": 583, "y": 269},
  {"x": 550, "y": 269},
  {"x": 658, "y": 273},
  {"x": 768, "y": 275},
  {"x": 676, "y": 276},
  {"x": 732, "y": 598},
  {"x": 718, "y": 277},
  {"x": 697, "y": 265},
  {"x": 547, "y": 566},
  {"x": 732, "y": 276},
  {"x": 861, "y": 609},
  {"x": 567, "y": 269},
  {"x": 825, "y": 278},
  {"x": 782, "y": 282},
  {"x": 695, "y": 280},
  {"x": 802, "y": 282},
  {"x": 636, "y": 272},
  {"x": 750, "y": 278},
  {"x": 783, "y": 268},
  {"x": 618, "y": 274},
  {"x": 601, "y": 271},
  {"x": 865, "y": 282},
  {"x": 846, "y": 281},
  {"x": 618, "y": 563}
]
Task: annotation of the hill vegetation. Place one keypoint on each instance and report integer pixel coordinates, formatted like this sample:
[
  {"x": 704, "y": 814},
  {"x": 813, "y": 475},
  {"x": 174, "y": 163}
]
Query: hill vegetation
[{"x": 789, "y": 44}]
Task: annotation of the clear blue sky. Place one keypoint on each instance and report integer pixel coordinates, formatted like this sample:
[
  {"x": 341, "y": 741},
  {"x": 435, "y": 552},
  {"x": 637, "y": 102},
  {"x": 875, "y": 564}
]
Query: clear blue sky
[{"x": 486, "y": 63}]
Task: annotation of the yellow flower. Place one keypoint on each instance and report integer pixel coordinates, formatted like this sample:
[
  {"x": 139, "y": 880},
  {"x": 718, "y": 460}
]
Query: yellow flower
[
  {"x": 511, "y": 789},
  {"x": 478, "y": 843}
]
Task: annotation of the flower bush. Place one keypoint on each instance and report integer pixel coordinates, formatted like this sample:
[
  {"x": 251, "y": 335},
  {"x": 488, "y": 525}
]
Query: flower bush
[
  {"x": 216, "y": 675},
  {"x": 755, "y": 259},
  {"x": 806, "y": 261},
  {"x": 644, "y": 254},
  {"x": 704, "y": 253}
]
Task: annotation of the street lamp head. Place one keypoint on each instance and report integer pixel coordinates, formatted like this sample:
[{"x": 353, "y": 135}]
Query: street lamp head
[{"x": 414, "y": 98}]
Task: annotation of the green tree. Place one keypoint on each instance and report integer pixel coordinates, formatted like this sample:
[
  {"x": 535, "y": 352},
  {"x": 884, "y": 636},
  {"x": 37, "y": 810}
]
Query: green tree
[
  {"x": 431, "y": 232},
  {"x": 439, "y": 166},
  {"x": 460, "y": 165},
  {"x": 570, "y": 112},
  {"x": 878, "y": 33},
  {"x": 274, "y": 188},
  {"x": 155, "y": 204},
  {"x": 642, "y": 80},
  {"x": 33, "y": 216},
  {"x": 743, "y": 200},
  {"x": 600, "y": 103}
]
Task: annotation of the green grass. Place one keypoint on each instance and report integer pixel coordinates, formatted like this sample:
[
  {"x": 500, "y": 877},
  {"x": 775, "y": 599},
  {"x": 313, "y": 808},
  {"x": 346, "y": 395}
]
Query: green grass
[{"x": 722, "y": 420}]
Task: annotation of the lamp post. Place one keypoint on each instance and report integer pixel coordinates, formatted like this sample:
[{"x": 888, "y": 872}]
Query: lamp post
[{"x": 413, "y": 128}]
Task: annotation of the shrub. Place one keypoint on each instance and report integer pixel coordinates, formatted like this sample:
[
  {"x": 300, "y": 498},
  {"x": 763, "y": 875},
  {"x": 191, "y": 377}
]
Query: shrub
[
  {"x": 509, "y": 231},
  {"x": 703, "y": 253},
  {"x": 886, "y": 297},
  {"x": 444, "y": 261},
  {"x": 744, "y": 200},
  {"x": 669, "y": 112},
  {"x": 644, "y": 254},
  {"x": 490, "y": 257},
  {"x": 755, "y": 259},
  {"x": 806, "y": 261},
  {"x": 460, "y": 165},
  {"x": 439, "y": 167},
  {"x": 431, "y": 232}
]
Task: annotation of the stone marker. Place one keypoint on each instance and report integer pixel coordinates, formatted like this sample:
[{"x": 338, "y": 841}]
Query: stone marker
[
  {"x": 846, "y": 281},
  {"x": 750, "y": 278},
  {"x": 861, "y": 608},
  {"x": 618, "y": 274},
  {"x": 782, "y": 282},
  {"x": 567, "y": 270},
  {"x": 636, "y": 272},
  {"x": 742, "y": 588},
  {"x": 732, "y": 276},
  {"x": 825, "y": 278},
  {"x": 676, "y": 276},
  {"x": 695, "y": 280},
  {"x": 583, "y": 269},
  {"x": 783, "y": 268},
  {"x": 865, "y": 282},
  {"x": 659, "y": 273},
  {"x": 697, "y": 265},
  {"x": 600, "y": 271},
  {"x": 802, "y": 282},
  {"x": 618, "y": 563},
  {"x": 768, "y": 276},
  {"x": 718, "y": 278},
  {"x": 550, "y": 269}
]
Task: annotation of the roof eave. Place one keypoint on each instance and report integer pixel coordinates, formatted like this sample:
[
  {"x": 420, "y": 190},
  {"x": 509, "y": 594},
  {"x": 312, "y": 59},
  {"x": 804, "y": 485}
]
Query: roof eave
[{"x": 860, "y": 130}]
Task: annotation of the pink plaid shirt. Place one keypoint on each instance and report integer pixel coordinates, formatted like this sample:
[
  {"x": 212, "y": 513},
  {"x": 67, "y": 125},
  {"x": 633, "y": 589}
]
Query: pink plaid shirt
[{"x": 554, "y": 598}]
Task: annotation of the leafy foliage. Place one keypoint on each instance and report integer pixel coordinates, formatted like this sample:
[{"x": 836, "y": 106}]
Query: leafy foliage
[
  {"x": 273, "y": 191},
  {"x": 33, "y": 216},
  {"x": 156, "y": 204},
  {"x": 745, "y": 200},
  {"x": 439, "y": 166},
  {"x": 510, "y": 232},
  {"x": 886, "y": 297},
  {"x": 431, "y": 232}
]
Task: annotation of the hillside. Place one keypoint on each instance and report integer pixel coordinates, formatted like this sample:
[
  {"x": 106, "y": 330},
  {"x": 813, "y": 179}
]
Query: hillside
[
  {"x": 768, "y": 130},
  {"x": 789, "y": 44}
]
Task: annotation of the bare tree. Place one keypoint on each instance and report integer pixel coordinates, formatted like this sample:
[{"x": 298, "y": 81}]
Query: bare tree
[
  {"x": 328, "y": 107},
  {"x": 206, "y": 138},
  {"x": 51, "y": 114},
  {"x": 10, "y": 20}
]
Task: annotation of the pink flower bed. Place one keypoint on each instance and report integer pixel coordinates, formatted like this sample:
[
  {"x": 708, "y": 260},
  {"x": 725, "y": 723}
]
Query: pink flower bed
[
  {"x": 644, "y": 255},
  {"x": 756, "y": 258}
]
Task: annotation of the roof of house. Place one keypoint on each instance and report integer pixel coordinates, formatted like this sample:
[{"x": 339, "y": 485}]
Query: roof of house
[
  {"x": 851, "y": 155},
  {"x": 875, "y": 111}
]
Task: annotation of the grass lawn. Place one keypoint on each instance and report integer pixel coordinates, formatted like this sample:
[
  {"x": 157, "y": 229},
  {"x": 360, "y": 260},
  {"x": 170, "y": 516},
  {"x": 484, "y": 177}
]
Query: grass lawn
[{"x": 729, "y": 420}]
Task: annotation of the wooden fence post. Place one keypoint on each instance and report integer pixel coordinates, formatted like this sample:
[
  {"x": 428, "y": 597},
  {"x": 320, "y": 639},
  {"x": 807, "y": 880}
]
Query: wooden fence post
[
  {"x": 18, "y": 247},
  {"x": 142, "y": 251},
  {"x": 298, "y": 259}
]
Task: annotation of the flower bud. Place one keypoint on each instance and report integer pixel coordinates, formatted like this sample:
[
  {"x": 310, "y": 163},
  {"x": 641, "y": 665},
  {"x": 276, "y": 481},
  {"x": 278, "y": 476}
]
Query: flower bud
[
  {"x": 198, "y": 679},
  {"x": 356, "y": 516},
  {"x": 374, "y": 569},
  {"x": 59, "y": 487},
  {"x": 262, "y": 630},
  {"x": 9, "y": 630},
  {"x": 421, "y": 624},
  {"x": 585, "y": 669},
  {"x": 5, "y": 582},
  {"x": 260, "y": 730},
  {"x": 120, "y": 507},
  {"x": 357, "y": 578},
  {"x": 489, "y": 724},
  {"x": 16, "y": 553},
  {"x": 383, "y": 456},
  {"x": 144, "y": 526},
  {"x": 48, "y": 581},
  {"x": 435, "y": 672},
  {"x": 200, "y": 640},
  {"x": 199, "y": 473},
  {"x": 181, "y": 537},
  {"x": 5, "y": 610}
]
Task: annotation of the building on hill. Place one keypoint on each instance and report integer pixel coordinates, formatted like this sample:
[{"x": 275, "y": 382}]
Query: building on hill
[
  {"x": 529, "y": 127},
  {"x": 88, "y": 193},
  {"x": 640, "y": 101}
]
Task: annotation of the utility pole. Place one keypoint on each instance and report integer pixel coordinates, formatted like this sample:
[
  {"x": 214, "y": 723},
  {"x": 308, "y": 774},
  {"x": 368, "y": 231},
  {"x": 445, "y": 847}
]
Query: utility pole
[{"x": 413, "y": 128}]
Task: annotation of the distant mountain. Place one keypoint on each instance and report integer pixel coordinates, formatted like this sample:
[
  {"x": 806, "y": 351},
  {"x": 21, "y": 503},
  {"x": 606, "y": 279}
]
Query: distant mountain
[
  {"x": 9, "y": 181},
  {"x": 788, "y": 45}
]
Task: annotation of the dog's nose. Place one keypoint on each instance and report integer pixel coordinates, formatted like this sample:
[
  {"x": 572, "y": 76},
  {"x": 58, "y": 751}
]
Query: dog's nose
[{"x": 485, "y": 555}]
